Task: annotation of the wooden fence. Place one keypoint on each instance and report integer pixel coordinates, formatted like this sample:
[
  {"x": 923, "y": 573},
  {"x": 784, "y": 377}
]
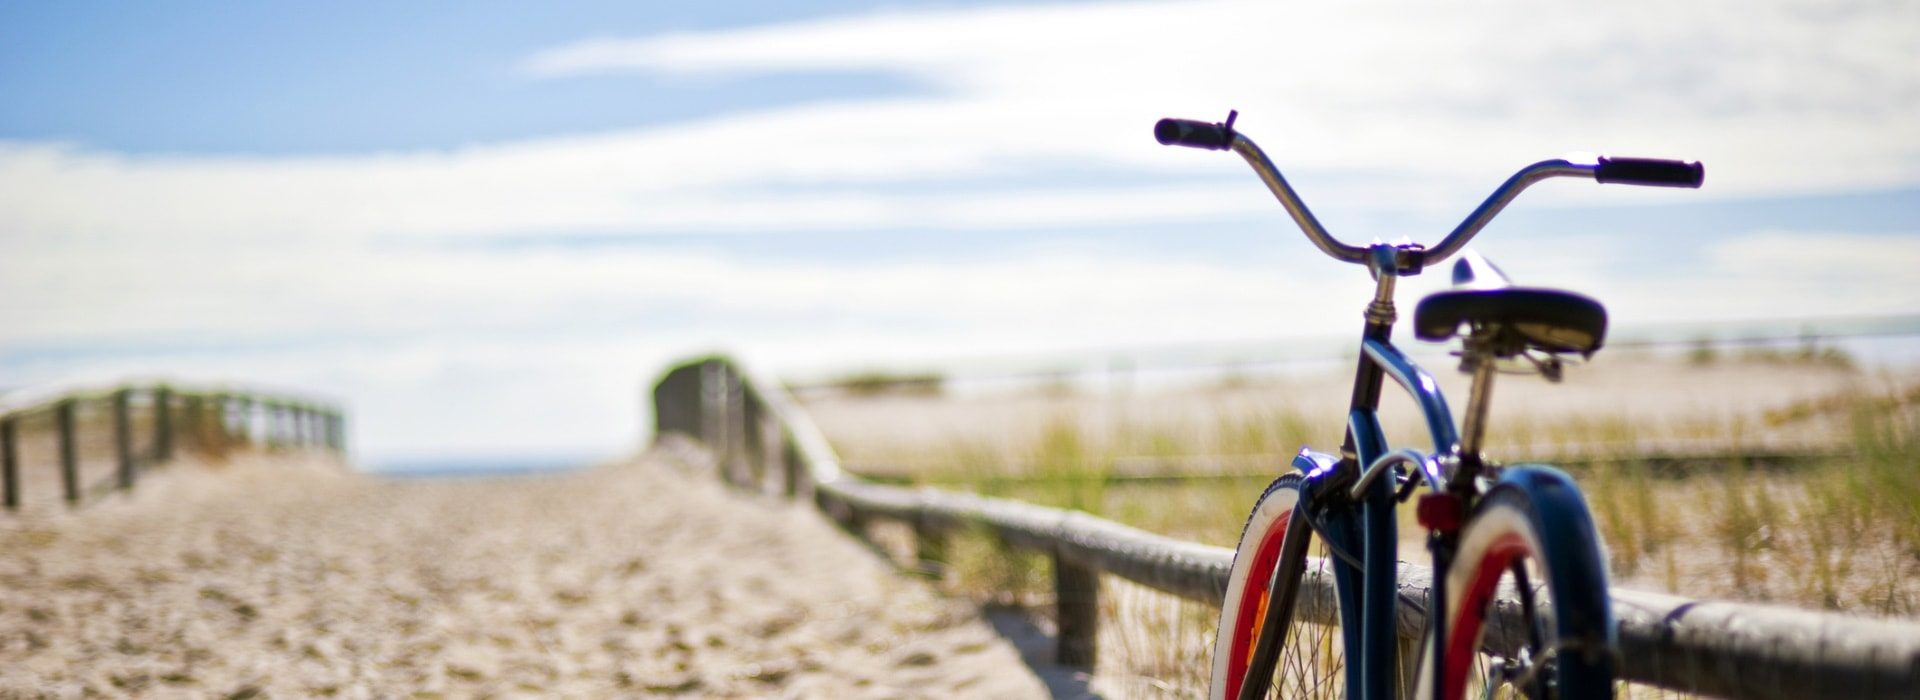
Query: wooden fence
[
  {"x": 764, "y": 441},
  {"x": 141, "y": 425}
]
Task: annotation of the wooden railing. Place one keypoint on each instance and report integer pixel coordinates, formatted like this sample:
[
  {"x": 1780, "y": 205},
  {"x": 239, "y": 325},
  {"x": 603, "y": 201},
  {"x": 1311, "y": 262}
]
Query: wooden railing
[
  {"x": 55, "y": 432},
  {"x": 762, "y": 440}
]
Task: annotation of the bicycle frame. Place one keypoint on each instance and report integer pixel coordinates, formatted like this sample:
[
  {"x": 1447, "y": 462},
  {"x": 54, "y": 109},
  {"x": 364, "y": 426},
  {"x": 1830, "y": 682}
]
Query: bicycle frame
[
  {"x": 1353, "y": 511},
  {"x": 1351, "y": 508},
  {"x": 1356, "y": 516}
]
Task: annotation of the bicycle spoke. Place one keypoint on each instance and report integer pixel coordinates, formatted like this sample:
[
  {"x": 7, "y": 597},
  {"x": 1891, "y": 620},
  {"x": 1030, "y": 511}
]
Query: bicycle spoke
[{"x": 1312, "y": 660}]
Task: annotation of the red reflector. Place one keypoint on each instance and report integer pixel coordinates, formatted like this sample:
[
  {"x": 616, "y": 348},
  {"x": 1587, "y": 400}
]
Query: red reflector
[{"x": 1440, "y": 512}]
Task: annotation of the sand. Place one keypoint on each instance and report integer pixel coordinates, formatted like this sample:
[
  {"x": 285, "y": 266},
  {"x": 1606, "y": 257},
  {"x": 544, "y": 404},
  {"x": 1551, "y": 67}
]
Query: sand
[{"x": 294, "y": 577}]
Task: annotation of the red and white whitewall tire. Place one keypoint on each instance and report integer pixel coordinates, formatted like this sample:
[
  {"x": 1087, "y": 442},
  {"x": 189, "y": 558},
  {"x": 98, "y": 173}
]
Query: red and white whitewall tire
[
  {"x": 1254, "y": 559},
  {"x": 1499, "y": 534}
]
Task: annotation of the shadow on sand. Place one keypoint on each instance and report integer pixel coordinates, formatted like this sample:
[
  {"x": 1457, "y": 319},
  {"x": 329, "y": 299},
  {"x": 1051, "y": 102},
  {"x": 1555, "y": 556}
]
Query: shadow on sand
[{"x": 1036, "y": 649}]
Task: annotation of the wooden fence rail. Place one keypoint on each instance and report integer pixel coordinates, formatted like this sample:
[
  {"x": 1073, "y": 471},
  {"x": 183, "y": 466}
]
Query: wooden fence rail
[
  {"x": 169, "y": 416},
  {"x": 1735, "y": 650}
]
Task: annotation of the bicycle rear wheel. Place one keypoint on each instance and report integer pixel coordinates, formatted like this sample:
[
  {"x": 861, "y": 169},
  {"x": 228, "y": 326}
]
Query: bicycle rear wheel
[
  {"x": 1527, "y": 603},
  {"x": 1269, "y": 587}
]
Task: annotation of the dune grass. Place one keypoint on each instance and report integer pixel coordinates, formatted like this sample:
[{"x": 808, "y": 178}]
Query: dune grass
[
  {"x": 1836, "y": 534},
  {"x": 1729, "y": 529}
]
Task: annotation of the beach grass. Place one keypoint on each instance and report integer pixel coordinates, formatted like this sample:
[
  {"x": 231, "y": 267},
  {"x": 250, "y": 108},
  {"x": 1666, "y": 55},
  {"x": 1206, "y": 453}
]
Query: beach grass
[{"x": 1838, "y": 533}]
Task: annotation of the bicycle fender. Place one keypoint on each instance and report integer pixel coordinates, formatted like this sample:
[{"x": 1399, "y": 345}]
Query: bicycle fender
[
  {"x": 1313, "y": 464},
  {"x": 1573, "y": 553}
]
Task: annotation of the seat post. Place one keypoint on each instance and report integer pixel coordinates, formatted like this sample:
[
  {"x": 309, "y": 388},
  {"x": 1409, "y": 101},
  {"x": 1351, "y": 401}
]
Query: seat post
[{"x": 1478, "y": 359}]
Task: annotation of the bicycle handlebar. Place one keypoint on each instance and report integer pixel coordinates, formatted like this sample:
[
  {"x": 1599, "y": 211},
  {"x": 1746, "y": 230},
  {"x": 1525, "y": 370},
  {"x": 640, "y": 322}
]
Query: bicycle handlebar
[
  {"x": 1652, "y": 172},
  {"x": 1631, "y": 171},
  {"x": 1194, "y": 134}
]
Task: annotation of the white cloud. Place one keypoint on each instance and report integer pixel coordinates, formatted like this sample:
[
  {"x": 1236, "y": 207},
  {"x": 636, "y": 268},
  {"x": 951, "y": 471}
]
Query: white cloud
[
  {"x": 1788, "y": 95},
  {"x": 1792, "y": 97}
]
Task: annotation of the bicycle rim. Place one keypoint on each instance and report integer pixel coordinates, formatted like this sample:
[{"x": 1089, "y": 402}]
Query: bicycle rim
[
  {"x": 1310, "y": 661},
  {"x": 1503, "y": 635}
]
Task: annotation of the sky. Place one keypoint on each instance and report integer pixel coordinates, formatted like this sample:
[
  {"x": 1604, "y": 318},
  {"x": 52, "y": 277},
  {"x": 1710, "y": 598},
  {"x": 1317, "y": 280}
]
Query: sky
[{"x": 487, "y": 226}]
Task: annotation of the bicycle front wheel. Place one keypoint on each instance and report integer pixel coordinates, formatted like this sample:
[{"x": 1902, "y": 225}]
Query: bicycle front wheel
[
  {"x": 1265, "y": 595},
  {"x": 1527, "y": 603}
]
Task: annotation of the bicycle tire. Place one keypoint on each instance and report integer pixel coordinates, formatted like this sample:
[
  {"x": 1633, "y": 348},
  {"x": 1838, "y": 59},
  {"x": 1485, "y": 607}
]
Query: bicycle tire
[
  {"x": 1312, "y": 655},
  {"x": 1562, "y": 646}
]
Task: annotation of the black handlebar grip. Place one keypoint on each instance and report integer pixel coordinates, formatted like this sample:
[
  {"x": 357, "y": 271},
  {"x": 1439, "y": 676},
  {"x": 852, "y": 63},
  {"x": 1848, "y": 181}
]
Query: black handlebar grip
[
  {"x": 1650, "y": 171},
  {"x": 1193, "y": 134}
]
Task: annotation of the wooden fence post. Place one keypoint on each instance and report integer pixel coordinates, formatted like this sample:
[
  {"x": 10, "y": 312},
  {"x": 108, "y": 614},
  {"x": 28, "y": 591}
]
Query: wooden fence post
[
  {"x": 736, "y": 431},
  {"x": 930, "y": 548},
  {"x": 162, "y": 424},
  {"x": 195, "y": 419},
  {"x": 677, "y": 401},
  {"x": 240, "y": 417},
  {"x": 222, "y": 419},
  {"x": 10, "y": 461},
  {"x": 336, "y": 431},
  {"x": 316, "y": 427},
  {"x": 856, "y": 520},
  {"x": 243, "y": 419},
  {"x": 713, "y": 424},
  {"x": 69, "y": 452},
  {"x": 790, "y": 467},
  {"x": 753, "y": 431},
  {"x": 123, "y": 435},
  {"x": 1076, "y": 591},
  {"x": 302, "y": 426},
  {"x": 292, "y": 422}
]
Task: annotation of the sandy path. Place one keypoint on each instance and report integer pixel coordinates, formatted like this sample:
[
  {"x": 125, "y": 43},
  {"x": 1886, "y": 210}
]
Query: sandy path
[{"x": 628, "y": 580}]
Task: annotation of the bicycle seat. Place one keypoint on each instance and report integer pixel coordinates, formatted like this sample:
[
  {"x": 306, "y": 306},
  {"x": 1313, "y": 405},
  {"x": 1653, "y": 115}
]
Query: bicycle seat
[{"x": 1523, "y": 318}]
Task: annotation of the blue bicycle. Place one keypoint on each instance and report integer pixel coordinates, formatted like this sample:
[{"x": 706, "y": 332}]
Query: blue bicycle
[{"x": 1520, "y": 533}]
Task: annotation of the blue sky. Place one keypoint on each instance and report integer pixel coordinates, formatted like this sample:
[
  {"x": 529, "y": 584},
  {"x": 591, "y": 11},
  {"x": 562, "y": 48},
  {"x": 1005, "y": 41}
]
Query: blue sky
[
  {"x": 225, "y": 77},
  {"x": 486, "y": 225}
]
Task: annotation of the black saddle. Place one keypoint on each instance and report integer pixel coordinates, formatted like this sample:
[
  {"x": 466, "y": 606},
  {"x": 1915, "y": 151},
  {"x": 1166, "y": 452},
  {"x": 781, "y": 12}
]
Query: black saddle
[{"x": 1520, "y": 318}]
